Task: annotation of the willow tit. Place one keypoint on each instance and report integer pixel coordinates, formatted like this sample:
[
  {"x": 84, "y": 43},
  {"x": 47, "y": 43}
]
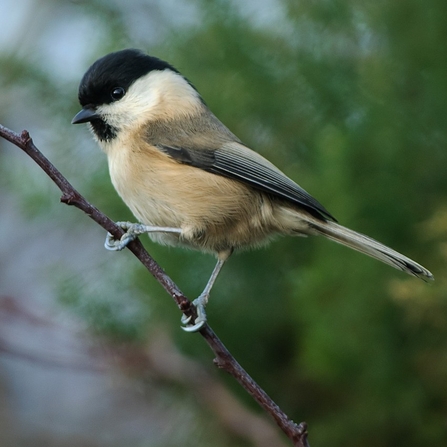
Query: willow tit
[{"x": 188, "y": 179}]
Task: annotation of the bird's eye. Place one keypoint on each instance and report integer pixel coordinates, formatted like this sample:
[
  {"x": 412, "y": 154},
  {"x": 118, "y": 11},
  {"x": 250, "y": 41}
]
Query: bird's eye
[{"x": 117, "y": 93}]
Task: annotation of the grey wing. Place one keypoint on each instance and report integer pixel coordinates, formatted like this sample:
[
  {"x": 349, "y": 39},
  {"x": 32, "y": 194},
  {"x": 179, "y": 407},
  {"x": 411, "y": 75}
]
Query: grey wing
[{"x": 236, "y": 161}]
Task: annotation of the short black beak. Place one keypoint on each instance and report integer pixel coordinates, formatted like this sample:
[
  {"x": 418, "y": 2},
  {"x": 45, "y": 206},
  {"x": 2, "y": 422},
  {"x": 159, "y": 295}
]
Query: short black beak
[{"x": 86, "y": 115}]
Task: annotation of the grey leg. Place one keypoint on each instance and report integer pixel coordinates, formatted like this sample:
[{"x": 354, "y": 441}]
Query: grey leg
[
  {"x": 202, "y": 301},
  {"x": 132, "y": 231}
]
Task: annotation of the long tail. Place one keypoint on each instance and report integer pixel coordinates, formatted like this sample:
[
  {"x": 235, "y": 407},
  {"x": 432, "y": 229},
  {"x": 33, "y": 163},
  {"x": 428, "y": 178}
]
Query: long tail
[{"x": 370, "y": 247}]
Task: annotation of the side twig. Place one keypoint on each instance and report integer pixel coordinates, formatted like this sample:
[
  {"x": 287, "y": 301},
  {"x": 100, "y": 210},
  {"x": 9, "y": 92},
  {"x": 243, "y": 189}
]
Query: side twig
[{"x": 297, "y": 433}]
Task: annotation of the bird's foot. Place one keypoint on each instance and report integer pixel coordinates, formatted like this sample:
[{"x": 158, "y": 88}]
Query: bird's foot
[
  {"x": 199, "y": 303},
  {"x": 132, "y": 231}
]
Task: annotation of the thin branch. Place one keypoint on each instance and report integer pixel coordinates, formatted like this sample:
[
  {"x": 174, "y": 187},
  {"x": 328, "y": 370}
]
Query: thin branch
[{"x": 297, "y": 433}]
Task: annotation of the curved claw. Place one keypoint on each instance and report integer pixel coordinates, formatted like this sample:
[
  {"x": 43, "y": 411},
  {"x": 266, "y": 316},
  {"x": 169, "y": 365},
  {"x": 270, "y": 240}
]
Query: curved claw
[
  {"x": 113, "y": 244},
  {"x": 185, "y": 319},
  {"x": 196, "y": 327},
  {"x": 200, "y": 321}
]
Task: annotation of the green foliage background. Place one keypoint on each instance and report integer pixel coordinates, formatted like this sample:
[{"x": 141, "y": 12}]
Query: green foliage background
[{"x": 349, "y": 98}]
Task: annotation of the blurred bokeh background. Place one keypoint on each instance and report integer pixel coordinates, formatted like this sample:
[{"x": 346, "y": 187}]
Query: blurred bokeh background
[{"x": 349, "y": 98}]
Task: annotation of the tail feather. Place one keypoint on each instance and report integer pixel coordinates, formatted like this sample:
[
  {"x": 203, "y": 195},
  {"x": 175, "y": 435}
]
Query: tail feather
[{"x": 370, "y": 247}]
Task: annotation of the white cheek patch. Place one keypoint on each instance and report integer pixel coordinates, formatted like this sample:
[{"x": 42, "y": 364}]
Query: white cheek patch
[
  {"x": 129, "y": 110},
  {"x": 159, "y": 94}
]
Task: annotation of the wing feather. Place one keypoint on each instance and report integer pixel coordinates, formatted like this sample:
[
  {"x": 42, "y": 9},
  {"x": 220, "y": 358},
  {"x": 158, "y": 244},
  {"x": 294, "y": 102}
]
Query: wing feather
[{"x": 234, "y": 160}]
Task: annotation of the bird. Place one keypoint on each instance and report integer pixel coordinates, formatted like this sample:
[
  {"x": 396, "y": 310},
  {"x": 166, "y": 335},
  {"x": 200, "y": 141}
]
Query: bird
[{"x": 188, "y": 180}]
